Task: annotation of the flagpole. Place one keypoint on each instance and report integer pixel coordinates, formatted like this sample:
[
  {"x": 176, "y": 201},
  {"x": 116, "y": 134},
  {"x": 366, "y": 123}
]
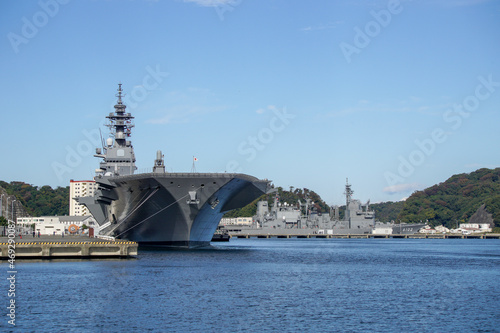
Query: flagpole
[{"x": 193, "y": 169}]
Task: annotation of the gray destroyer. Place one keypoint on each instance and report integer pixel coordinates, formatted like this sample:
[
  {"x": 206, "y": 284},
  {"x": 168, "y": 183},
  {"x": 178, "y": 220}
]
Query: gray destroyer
[
  {"x": 160, "y": 208},
  {"x": 300, "y": 219}
]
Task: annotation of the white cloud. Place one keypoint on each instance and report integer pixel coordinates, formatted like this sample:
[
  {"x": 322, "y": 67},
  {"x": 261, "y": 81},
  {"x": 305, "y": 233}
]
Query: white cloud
[
  {"x": 403, "y": 188},
  {"x": 263, "y": 110}
]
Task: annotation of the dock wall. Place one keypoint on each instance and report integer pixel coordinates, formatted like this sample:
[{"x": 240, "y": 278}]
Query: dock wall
[
  {"x": 51, "y": 250},
  {"x": 413, "y": 236}
]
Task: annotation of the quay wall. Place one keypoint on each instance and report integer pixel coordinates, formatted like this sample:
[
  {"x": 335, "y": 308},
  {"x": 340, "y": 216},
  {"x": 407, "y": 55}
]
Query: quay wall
[
  {"x": 412, "y": 236},
  {"x": 77, "y": 249}
]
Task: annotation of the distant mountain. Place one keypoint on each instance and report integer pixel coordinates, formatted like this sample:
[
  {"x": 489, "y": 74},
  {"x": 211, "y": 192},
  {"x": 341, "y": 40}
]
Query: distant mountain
[
  {"x": 456, "y": 200},
  {"x": 38, "y": 201}
]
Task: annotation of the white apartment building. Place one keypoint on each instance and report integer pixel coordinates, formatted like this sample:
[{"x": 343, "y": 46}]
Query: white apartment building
[{"x": 80, "y": 188}]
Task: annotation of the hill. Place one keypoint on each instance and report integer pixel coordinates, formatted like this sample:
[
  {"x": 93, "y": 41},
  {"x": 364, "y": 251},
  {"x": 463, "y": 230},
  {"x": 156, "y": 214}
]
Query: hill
[
  {"x": 39, "y": 201},
  {"x": 387, "y": 211},
  {"x": 291, "y": 197},
  {"x": 455, "y": 200}
]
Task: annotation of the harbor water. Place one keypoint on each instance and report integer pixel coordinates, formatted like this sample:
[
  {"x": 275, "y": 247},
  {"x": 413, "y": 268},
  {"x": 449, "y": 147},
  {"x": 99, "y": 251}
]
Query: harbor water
[{"x": 254, "y": 285}]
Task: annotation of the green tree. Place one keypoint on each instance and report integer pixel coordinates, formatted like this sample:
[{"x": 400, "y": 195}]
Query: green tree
[
  {"x": 456, "y": 199},
  {"x": 290, "y": 197},
  {"x": 39, "y": 201},
  {"x": 3, "y": 221}
]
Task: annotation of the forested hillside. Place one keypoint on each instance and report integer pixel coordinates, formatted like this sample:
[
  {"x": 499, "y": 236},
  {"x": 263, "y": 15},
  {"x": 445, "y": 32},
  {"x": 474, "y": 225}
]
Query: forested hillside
[
  {"x": 291, "y": 197},
  {"x": 387, "y": 211},
  {"x": 456, "y": 199},
  {"x": 39, "y": 201}
]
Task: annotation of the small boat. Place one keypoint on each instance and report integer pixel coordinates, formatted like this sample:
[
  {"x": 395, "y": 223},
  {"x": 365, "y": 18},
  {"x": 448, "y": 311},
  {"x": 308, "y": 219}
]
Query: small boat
[{"x": 221, "y": 236}]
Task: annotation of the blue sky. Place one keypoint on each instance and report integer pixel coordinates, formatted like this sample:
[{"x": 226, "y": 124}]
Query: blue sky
[{"x": 396, "y": 96}]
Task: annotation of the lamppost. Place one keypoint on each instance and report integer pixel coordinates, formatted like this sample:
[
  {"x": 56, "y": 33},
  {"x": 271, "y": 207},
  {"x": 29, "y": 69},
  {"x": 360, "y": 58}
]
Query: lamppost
[
  {"x": 13, "y": 210},
  {"x": 1, "y": 204},
  {"x": 1, "y": 212}
]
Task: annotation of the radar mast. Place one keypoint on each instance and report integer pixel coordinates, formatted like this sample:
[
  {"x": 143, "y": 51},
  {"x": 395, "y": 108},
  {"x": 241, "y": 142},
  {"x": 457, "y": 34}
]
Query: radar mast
[
  {"x": 348, "y": 196},
  {"x": 120, "y": 123},
  {"x": 118, "y": 157}
]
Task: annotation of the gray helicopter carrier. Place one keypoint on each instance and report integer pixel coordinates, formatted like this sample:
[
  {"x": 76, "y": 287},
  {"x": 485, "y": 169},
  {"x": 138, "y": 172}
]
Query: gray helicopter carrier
[
  {"x": 301, "y": 219},
  {"x": 160, "y": 208}
]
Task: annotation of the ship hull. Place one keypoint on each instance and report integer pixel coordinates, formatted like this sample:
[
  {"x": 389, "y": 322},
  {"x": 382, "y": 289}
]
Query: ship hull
[
  {"x": 167, "y": 209},
  {"x": 355, "y": 227},
  {"x": 407, "y": 228}
]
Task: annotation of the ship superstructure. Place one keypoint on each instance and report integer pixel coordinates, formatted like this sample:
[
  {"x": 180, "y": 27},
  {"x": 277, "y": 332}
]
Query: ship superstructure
[
  {"x": 118, "y": 154},
  {"x": 160, "y": 208},
  {"x": 301, "y": 219}
]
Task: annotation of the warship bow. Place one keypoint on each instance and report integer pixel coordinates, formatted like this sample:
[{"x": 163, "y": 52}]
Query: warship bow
[{"x": 160, "y": 208}]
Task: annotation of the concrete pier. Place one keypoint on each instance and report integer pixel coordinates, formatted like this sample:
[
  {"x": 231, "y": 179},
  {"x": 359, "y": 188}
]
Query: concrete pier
[
  {"x": 49, "y": 247},
  {"x": 413, "y": 236}
]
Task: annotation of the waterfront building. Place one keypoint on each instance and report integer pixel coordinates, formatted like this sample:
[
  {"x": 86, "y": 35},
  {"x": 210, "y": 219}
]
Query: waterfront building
[
  {"x": 476, "y": 227},
  {"x": 28, "y": 221},
  {"x": 46, "y": 225},
  {"x": 49, "y": 228},
  {"x": 78, "y": 189},
  {"x": 383, "y": 230},
  {"x": 79, "y": 221},
  {"x": 440, "y": 229}
]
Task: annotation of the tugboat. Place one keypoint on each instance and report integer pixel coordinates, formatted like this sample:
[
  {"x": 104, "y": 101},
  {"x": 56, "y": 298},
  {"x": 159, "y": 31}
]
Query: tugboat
[{"x": 221, "y": 235}]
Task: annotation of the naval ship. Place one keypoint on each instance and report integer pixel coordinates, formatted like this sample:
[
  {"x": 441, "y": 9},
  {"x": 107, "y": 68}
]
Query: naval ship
[
  {"x": 160, "y": 208},
  {"x": 299, "y": 219}
]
